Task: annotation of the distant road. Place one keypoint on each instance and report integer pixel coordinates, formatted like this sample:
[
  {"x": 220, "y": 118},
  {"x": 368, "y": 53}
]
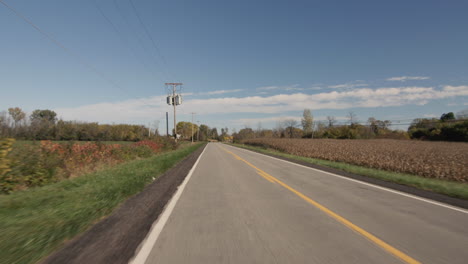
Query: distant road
[{"x": 244, "y": 207}]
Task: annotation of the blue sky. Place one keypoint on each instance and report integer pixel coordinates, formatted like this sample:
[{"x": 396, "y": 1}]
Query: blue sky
[{"x": 241, "y": 62}]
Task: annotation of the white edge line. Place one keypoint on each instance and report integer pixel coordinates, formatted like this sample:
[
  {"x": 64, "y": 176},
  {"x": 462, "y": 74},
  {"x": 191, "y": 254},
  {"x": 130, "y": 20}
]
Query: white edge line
[
  {"x": 364, "y": 183},
  {"x": 158, "y": 225}
]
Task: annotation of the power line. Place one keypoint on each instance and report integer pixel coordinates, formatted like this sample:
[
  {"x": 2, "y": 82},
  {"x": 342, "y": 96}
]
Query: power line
[
  {"x": 122, "y": 38},
  {"x": 140, "y": 41},
  {"x": 63, "y": 47},
  {"x": 155, "y": 46},
  {"x": 70, "y": 52}
]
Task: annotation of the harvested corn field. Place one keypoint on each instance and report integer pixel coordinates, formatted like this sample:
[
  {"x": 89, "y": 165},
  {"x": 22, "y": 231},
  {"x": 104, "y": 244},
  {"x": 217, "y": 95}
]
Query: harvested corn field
[{"x": 441, "y": 160}]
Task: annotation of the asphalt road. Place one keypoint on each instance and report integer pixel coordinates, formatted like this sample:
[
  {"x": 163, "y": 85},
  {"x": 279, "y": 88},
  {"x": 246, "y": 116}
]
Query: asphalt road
[{"x": 243, "y": 207}]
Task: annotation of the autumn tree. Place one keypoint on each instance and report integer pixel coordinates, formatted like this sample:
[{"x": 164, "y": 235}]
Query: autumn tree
[
  {"x": 4, "y": 128},
  {"x": 186, "y": 129},
  {"x": 307, "y": 122},
  {"x": 331, "y": 121},
  {"x": 378, "y": 127},
  {"x": 290, "y": 125},
  {"x": 17, "y": 115},
  {"x": 352, "y": 117}
]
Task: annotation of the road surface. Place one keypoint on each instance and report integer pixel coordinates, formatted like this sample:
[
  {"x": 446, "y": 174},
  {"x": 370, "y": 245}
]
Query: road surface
[{"x": 243, "y": 207}]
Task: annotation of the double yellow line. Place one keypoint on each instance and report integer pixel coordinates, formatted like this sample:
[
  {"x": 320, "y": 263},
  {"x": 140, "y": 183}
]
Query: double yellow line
[{"x": 395, "y": 252}]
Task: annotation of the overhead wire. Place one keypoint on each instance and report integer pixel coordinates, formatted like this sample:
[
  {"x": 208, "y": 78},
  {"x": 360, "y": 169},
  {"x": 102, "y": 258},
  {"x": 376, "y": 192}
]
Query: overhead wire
[
  {"x": 123, "y": 39},
  {"x": 141, "y": 42},
  {"x": 69, "y": 51},
  {"x": 155, "y": 46},
  {"x": 63, "y": 47},
  {"x": 151, "y": 55},
  {"x": 153, "y": 42}
]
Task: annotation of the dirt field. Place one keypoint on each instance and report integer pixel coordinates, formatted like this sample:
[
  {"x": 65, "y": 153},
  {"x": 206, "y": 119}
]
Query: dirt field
[{"x": 441, "y": 160}]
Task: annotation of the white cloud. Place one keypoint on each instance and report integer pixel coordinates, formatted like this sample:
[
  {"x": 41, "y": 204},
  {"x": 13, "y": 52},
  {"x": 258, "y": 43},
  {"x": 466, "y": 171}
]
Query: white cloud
[
  {"x": 348, "y": 85},
  {"x": 408, "y": 78},
  {"x": 223, "y": 91},
  {"x": 131, "y": 111}
]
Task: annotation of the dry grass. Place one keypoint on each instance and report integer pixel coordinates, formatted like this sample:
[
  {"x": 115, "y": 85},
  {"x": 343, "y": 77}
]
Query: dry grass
[{"x": 440, "y": 160}]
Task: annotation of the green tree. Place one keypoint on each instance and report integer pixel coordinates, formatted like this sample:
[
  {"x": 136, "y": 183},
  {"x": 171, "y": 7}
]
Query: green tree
[
  {"x": 204, "y": 132},
  {"x": 214, "y": 133},
  {"x": 44, "y": 115},
  {"x": 245, "y": 133},
  {"x": 42, "y": 124},
  {"x": 448, "y": 116},
  {"x": 224, "y": 133},
  {"x": 186, "y": 129}
]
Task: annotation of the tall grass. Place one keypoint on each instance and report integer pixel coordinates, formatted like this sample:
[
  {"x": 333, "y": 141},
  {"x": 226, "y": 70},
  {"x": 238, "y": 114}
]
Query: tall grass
[
  {"x": 35, "y": 222},
  {"x": 32, "y": 164}
]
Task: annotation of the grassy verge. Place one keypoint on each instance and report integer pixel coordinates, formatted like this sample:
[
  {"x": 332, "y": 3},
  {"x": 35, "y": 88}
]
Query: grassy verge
[
  {"x": 35, "y": 222},
  {"x": 454, "y": 189}
]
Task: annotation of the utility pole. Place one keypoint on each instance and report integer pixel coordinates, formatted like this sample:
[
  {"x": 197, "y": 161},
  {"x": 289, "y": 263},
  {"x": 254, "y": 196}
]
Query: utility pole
[
  {"x": 167, "y": 124},
  {"x": 192, "y": 126},
  {"x": 174, "y": 99},
  {"x": 198, "y": 131}
]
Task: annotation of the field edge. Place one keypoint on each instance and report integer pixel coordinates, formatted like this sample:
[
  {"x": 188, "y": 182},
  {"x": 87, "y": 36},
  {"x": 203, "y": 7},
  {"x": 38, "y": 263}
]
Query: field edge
[{"x": 448, "y": 192}]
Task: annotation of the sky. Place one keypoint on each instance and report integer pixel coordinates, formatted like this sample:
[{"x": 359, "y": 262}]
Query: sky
[{"x": 243, "y": 63}]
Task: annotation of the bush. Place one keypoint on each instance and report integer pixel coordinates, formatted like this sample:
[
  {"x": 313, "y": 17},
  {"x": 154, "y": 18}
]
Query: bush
[
  {"x": 31, "y": 165},
  {"x": 5, "y": 180}
]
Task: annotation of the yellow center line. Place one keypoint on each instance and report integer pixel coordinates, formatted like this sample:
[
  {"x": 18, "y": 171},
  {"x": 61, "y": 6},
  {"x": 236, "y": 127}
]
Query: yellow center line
[
  {"x": 402, "y": 256},
  {"x": 266, "y": 176}
]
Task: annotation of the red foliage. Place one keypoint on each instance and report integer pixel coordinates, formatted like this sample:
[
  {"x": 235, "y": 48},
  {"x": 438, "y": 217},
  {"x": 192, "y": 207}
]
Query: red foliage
[{"x": 151, "y": 144}]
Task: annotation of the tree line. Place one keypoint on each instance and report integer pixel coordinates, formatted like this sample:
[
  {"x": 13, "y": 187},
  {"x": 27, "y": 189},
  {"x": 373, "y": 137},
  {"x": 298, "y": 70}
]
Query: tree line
[
  {"x": 187, "y": 131},
  {"x": 44, "y": 125},
  {"x": 448, "y": 127}
]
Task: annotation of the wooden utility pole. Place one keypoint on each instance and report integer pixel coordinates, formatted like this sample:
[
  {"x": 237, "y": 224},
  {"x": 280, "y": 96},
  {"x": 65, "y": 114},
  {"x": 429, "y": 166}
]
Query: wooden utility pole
[
  {"x": 175, "y": 100},
  {"x": 198, "y": 131},
  {"x": 167, "y": 124},
  {"x": 192, "y": 126}
]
